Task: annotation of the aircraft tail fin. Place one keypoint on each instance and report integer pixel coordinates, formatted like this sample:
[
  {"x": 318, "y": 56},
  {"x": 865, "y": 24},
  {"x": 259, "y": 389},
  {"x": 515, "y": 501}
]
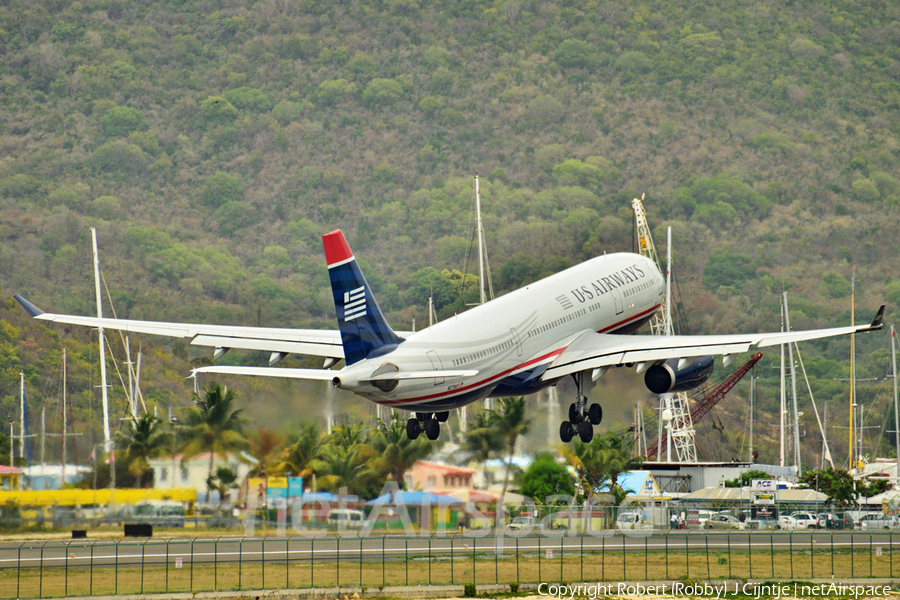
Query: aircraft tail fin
[{"x": 364, "y": 330}]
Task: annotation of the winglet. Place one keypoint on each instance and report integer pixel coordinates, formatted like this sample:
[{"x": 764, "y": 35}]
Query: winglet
[
  {"x": 876, "y": 322},
  {"x": 30, "y": 308}
]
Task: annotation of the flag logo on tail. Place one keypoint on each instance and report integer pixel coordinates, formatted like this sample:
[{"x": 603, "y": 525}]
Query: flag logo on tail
[{"x": 355, "y": 303}]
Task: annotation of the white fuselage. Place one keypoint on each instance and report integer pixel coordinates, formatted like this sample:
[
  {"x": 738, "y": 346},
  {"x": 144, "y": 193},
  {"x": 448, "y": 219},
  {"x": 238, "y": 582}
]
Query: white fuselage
[{"x": 510, "y": 341}]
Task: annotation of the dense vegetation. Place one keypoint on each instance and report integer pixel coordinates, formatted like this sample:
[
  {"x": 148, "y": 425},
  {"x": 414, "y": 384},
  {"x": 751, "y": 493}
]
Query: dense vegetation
[{"x": 212, "y": 143}]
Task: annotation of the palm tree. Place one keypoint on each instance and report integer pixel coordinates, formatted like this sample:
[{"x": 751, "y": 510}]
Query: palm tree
[
  {"x": 602, "y": 461},
  {"x": 223, "y": 480},
  {"x": 616, "y": 455},
  {"x": 396, "y": 453},
  {"x": 213, "y": 425},
  {"x": 145, "y": 438},
  {"x": 509, "y": 422},
  {"x": 264, "y": 444},
  {"x": 301, "y": 451},
  {"x": 481, "y": 442},
  {"x": 345, "y": 467}
]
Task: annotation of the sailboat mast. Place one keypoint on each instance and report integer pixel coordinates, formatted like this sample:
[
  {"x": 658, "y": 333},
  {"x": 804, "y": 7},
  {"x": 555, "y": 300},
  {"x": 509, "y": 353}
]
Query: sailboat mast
[
  {"x": 752, "y": 398},
  {"x": 851, "y": 462},
  {"x": 62, "y": 473},
  {"x": 22, "y": 418},
  {"x": 896, "y": 410},
  {"x": 480, "y": 233},
  {"x": 782, "y": 409},
  {"x": 107, "y": 438},
  {"x": 787, "y": 326}
]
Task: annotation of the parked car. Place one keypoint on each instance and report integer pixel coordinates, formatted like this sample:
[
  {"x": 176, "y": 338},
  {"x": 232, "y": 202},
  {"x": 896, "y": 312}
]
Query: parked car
[
  {"x": 703, "y": 516},
  {"x": 520, "y": 523},
  {"x": 833, "y": 521},
  {"x": 346, "y": 517},
  {"x": 724, "y": 522},
  {"x": 629, "y": 520},
  {"x": 798, "y": 520},
  {"x": 879, "y": 521},
  {"x": 159, "y": 513},
  {"x": 848, "y": 520}
]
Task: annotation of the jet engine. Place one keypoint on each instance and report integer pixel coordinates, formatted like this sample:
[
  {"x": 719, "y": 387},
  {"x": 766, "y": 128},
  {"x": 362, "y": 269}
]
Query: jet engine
[{"x": 668, "y": 378}]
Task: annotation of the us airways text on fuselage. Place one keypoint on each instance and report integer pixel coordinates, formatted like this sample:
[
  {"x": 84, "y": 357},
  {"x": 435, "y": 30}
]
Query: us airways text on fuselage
[{"x": 604, "y": 284}]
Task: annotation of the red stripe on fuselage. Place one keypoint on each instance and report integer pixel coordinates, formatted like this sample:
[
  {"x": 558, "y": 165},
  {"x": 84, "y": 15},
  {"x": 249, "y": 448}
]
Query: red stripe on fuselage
[
  {"x": 520, "y": 367},
  {"x": 336, "y": 247}
]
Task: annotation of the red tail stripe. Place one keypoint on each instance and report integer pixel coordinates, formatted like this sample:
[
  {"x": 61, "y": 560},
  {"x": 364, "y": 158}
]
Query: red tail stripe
[{"x": 336, "y": 247}]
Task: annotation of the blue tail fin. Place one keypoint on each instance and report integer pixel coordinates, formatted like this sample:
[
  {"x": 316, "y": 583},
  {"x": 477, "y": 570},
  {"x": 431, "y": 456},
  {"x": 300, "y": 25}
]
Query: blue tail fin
[{"x": 364, "y": 331}]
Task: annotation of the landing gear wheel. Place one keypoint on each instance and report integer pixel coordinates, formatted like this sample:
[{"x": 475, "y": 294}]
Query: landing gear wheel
[
  {"x": 585, "y": 432},
  {"x": 432, "y": 429},
  {"x": 574, "y": 414},
  {"x": 442, "y": 416},
  {"x": 566, "y": 432},
  {"x": 595, "y": 414},
  {"x": 413, "y": 429}
]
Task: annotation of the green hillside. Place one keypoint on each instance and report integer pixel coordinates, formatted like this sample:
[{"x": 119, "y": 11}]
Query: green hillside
[{"x": 212, "y": 143}]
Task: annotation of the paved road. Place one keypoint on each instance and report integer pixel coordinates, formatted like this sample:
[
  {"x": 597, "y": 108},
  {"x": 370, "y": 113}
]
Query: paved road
[{"x": 83, "y": 553}]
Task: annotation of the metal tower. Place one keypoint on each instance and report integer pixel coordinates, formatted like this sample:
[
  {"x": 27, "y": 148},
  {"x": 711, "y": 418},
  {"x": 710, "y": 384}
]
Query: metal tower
[{"x": 682, "y": 426}]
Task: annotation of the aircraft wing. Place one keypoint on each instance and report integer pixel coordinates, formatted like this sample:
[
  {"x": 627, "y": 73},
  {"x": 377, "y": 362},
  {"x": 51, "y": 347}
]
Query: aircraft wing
[
  {"x": 592, "y": 350},
  {"x": 289, "y": 341}
]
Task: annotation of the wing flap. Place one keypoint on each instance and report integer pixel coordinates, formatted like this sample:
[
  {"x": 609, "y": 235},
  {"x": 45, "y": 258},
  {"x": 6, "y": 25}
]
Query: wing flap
[{"x": 270, "y": 345}]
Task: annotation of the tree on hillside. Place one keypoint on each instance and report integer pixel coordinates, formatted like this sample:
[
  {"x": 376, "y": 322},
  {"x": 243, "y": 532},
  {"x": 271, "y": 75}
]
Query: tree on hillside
[
  {"x": 214, "y": 425},
  {"x": 143, "y": 439}
]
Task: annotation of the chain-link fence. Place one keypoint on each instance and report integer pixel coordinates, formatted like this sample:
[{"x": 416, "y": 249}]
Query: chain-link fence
[{"x": 103, "y": 567}]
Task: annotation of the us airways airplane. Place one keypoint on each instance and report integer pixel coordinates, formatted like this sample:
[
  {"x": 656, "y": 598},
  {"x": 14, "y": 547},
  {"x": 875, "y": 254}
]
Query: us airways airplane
[{"x": 574, "y": 323}]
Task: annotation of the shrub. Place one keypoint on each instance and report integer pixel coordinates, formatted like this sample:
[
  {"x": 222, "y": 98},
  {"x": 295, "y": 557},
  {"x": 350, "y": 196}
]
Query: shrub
[
  {"x": 249, "y": 99},
  {"x": 120, "y": 121},
  {"x": 221, "y": 189},
  {"x": 382, "y": 92}
]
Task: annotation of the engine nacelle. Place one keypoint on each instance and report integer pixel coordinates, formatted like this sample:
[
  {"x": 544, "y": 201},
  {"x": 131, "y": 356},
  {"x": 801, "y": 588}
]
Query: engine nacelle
[{"x": 665, "y": 378}]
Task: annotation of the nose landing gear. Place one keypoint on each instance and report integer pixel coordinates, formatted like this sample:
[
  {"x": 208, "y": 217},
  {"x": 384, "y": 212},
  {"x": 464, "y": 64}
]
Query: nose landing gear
[
  {"x": 581, "y": 417},
  {"x": 429, "y": 423}
]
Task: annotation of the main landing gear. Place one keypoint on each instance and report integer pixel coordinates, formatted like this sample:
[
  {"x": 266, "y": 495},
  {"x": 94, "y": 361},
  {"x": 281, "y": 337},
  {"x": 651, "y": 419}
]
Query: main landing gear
[
  {"x": 580, "y": 421},
  {"x": 430, "y": 423}
]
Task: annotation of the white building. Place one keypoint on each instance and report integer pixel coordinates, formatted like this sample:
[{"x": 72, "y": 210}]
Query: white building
[
  {"x": 48, "y": 477},
  {"x": 169, "y": 472}
]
